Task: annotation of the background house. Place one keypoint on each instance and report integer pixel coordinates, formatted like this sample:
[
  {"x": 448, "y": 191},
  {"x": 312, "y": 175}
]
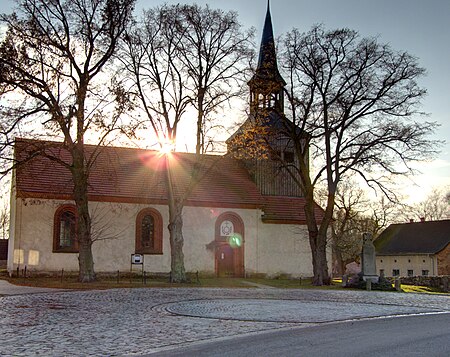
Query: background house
[{"x": 414, "y": 249}]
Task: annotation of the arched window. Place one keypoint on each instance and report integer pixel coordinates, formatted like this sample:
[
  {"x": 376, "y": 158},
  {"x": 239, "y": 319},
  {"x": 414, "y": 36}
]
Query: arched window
[
  {"x": 65, "y": 230},
  {"x": 149, "y": 232}
]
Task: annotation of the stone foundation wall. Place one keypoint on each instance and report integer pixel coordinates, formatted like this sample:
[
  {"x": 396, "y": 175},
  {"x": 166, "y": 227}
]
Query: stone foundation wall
[{"x": 439, "y": 282}]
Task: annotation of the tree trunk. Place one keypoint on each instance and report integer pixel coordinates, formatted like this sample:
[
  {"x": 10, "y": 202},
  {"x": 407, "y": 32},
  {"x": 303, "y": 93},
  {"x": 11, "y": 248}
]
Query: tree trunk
[
  {"x": 177, "y": 272},
  {"x": 86, "y": 262},
  {"x": 321, "y": 276},
  {"x": 80, "y": 192},
  {"x": 200, "y": 134},
  {"x": 318, "y": 244}
]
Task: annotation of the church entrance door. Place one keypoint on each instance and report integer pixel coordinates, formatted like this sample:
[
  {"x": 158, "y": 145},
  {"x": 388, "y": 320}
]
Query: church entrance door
[
  {"x": 229, "y": 251},
  {"x": 225, "y": 261}
]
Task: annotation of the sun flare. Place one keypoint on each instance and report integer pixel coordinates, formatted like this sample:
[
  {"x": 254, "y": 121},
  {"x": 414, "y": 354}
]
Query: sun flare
[{"x": 166, "y": 147}]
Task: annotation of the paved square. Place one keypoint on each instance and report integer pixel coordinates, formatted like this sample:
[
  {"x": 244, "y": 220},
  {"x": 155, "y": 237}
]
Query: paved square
[{"x": 138, "y": 321}]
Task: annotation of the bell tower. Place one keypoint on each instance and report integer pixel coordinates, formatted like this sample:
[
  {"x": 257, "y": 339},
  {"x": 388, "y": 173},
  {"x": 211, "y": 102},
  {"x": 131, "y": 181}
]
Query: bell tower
[
  {"x": 263, "y": 143},
  {"x": 267, "y": 84}
]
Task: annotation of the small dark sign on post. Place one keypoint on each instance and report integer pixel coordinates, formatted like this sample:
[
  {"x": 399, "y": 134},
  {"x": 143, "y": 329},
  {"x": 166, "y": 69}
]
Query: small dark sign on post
[{"x": 137, "y": 259}]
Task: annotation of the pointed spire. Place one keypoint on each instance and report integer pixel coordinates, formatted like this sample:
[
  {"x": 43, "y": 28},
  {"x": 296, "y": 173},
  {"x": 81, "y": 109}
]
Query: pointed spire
[
  {"x": 267, "y": 55},
  {"x": 267, "y": 61},
  {"x": 266, "y": 85}
]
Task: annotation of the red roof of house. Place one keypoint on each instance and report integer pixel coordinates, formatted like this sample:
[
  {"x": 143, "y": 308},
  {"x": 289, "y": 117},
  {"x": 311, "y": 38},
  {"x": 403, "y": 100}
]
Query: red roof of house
[{"x": 139, "y": 176}]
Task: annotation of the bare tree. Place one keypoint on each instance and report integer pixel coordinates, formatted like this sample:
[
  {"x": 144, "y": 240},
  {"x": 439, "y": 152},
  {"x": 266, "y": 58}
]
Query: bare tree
[
  {"x": 180, "y": 58},
  {"x": 356, "y": 99},
  {"x": 354, "y": 215},
  {"x": 54, "y": 78},
  {"x": 345, "y": 228},
  {"x": 436, "y": 206}
]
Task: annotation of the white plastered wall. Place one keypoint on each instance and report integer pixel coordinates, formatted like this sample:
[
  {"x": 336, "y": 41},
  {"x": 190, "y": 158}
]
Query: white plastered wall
[
  {"x": 113, "y": 225},
  {"x": 271, "y": 249},
  {"x": 284, "y": 249},
  {"x": 416, "y": 263}
]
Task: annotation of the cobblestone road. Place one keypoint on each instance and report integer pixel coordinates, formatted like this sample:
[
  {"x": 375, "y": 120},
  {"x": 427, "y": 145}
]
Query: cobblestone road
[{"x": 139, "y": 321}]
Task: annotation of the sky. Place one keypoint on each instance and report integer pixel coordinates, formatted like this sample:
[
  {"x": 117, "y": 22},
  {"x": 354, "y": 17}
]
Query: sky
[{"x": 420, "y": 27}]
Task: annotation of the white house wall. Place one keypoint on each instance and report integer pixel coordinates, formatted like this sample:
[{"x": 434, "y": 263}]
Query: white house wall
[
  {"x": 403, "y": 263},
  {"x": 270, "y": 249}
]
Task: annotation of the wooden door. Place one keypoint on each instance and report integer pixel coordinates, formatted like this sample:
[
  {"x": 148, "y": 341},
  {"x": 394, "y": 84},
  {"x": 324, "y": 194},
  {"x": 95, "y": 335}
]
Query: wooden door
[{"x": 225, "y": 261}]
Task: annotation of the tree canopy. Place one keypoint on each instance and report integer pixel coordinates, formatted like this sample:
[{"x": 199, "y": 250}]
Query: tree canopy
[
  {"x": 56, "y": 82},
  {"x": 357, "y": 99},
  {"x": 178, "y": 59}
]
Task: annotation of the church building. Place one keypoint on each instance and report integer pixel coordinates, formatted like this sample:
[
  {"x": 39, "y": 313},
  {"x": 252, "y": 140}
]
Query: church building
[{"x": 244, "y": 218}]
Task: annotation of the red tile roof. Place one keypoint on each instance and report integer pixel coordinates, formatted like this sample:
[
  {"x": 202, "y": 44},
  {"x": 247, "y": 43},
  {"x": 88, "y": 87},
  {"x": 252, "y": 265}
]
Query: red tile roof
[
  {"x": 135, "y": 175},
  {"x": 286, "y": 209}
]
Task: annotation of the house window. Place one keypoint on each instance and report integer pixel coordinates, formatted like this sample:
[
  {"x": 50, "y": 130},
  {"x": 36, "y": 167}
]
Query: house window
[
  {"x": 425, "y": 272},
  {"x": 148, "y": 232},
  {"x": 381, "y": 273},
  {"x": 65, "y": 230},
  {"x": 410, "y": 272},
  {"x": 395, "y": 272}
]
